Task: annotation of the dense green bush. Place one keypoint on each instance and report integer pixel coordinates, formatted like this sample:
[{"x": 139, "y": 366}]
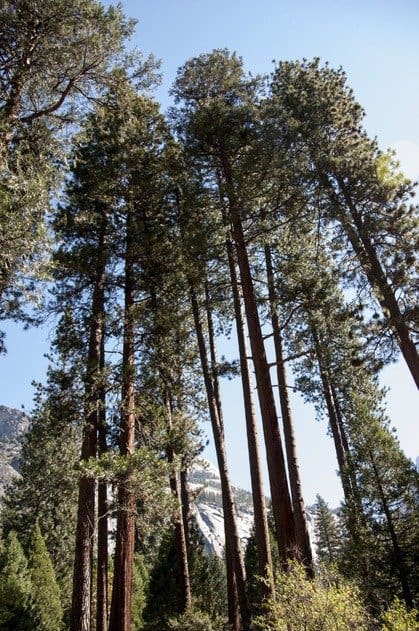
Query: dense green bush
[
  {"x": 398, "y": 618},
  {"x": 195, "y": 620},
  {"x": 301, "y": 604}
]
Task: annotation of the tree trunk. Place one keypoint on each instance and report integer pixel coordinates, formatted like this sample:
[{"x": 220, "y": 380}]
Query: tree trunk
[
  {"x": 256, "y": 476},
  {"x": 185, "y": 502},
  {"x": 120, "y": 617},
  {"x": 345, "y": 443},
  {"x": 301, "y": 530},
  {"x": 180, "y": 537},
  {"x": 230, "y": 522},
  {"x": 102, "y": 534},
  {"x": 281, "y": 501},
  {"x": 333, "y": 421},
  {"x": 80, "y": 618},
  {"x": 233, "y": 607}
]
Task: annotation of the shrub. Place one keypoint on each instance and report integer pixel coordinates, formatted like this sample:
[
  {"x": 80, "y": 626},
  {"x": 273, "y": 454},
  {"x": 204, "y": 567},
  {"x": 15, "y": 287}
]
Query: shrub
[
  {"x": 194, "y": 620},
  {"x": 318, "y": 605},
  {"x": 398, "y": 618}
]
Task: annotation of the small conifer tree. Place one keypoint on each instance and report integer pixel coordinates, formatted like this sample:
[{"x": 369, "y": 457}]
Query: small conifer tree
[
  {"x": 15, "y": 587},
  {"x": 45, "y": 593},
  {"x": 327, "y": 537}
]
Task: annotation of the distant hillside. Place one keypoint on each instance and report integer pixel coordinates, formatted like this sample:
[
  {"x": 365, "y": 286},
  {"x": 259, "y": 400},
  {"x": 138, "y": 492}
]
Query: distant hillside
[
  {"x": 13, "y": 425},
  {"x": 204, "y": 481}
]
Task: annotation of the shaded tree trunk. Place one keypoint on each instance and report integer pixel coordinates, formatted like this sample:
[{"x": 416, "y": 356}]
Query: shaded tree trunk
[
  {"x": 341, "y": 453},
  {"x": 367, "y": 255},
  {"x": 301, "y": 530},
  {"x": 102, "y": 531},
  {"x": 80, "y": 618},
  {"x": 120, "y": 616},
  {"x": 180, "y": 537},
  {"x": 185, "y": 502},
  {"x": 398, "y": 555},
  {"x": 230, "y": 522}
]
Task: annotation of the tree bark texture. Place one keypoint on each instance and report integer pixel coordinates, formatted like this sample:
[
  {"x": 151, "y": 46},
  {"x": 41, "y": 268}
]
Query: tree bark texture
[
  {"x": 303, "y": 540},
  {"x": 120, "y": 616},
  {"x": 230, "y": 521},
  {"x": 256, "y": 476},
  {"x": 80, "y": 618},
  {"x": 281, "y": 500}
]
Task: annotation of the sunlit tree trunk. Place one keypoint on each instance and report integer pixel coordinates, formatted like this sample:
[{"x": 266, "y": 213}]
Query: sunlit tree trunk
[
  {"x": 301, "y": 530},
  {"x": 256, "y": 476},
  {"x": 281, "y": 500}
]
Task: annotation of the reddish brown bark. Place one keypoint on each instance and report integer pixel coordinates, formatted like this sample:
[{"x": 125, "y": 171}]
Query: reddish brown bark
[
  {"x": 120, "y": 616},
  {"x": 256, "y": 476},
  {"x": 303, "y": 540},
  {"x": 80, "y": 617},
  {"x": 281, "y": 500}
]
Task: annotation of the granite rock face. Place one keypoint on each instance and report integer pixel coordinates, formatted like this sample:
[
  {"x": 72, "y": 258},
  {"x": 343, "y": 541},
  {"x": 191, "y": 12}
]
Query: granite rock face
[
  {"x": 205, "y": 485},
  {"x": 13, "y": 425}
]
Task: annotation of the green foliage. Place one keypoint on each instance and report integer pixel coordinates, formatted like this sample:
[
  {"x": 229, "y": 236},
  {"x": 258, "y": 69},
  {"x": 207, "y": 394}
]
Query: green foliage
[
  {"x": 45, "y": 593},
  {"x": 29, "y": 594},
  {"x": 361, "y": 197},
  {"x": 56, "y": 54},
  {"x": 15, "y": 587},
  {"x": 389, "y": 487},
  {"x": 45, "y": 493},
  {"x": 194, "y": 620},
  {"x": 398, "y": 618},
  {"x": 327, "y": 537},
  {"x": 208, "y": 582},
  {"x": 300, "y": 604},
  {"x": 140, "y": 580},
  {"x": 164, "y": 595},
  {"x": 208, "y": 585}
]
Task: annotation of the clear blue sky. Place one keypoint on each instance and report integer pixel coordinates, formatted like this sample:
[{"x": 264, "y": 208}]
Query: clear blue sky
[{"x": 377, "y": 43}]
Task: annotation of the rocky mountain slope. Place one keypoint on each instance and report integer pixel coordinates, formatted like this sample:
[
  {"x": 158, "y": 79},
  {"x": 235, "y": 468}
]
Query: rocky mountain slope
[
  {"x": 13, "y": 425},
  {"x": 205, "y": 487},
  {"x": 205, "y": 484}
]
